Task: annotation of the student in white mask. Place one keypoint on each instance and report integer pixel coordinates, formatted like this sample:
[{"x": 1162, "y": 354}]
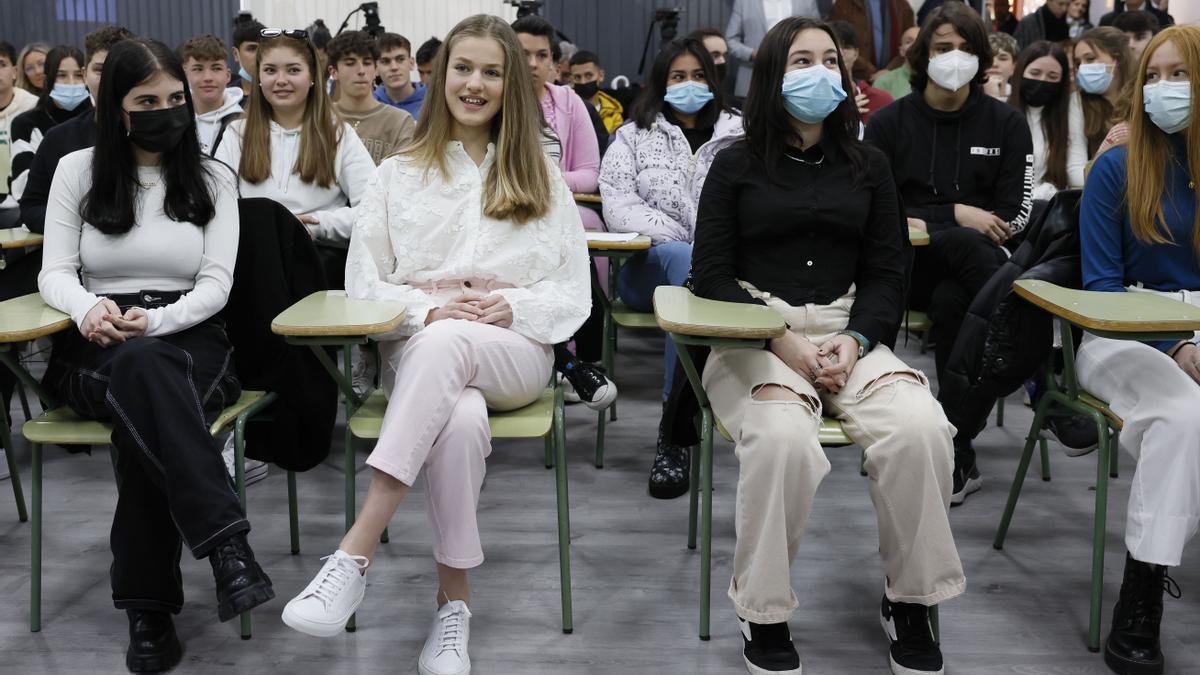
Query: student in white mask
[{"x": 962, "y": 162}]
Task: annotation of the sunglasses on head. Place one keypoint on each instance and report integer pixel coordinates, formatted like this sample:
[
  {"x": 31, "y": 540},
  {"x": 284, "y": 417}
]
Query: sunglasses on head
[{"x": 294, "y": 33}]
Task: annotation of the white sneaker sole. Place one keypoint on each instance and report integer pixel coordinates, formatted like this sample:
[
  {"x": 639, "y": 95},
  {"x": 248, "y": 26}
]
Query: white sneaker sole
[
  {"x": 466, "y": 670},
  {"x": 607, "y": 394},
  {"x": 319, "y": 628},
  {"x": 755, "y": 670},
  {"x": 257, "y": 473},
  {"x": 972, "y": 485}
]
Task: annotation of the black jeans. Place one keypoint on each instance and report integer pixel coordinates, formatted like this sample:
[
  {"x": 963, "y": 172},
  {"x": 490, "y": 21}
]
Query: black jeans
[
  {"x": 947, "y": 275},
  {"x": 160, "y": 394}
]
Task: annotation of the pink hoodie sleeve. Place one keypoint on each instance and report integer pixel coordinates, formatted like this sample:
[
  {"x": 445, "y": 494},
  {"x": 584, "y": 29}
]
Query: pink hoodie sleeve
[{"x": 583, "y": 151}]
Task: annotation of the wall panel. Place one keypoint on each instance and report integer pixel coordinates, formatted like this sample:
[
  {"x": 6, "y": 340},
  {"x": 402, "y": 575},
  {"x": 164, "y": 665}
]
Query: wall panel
[{"x": 67, "y": 21}]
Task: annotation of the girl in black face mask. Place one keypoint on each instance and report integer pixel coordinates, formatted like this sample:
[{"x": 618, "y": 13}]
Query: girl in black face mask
[
  {"x": 141, "y": 238},
  {"x": 1040, "y": 90}
]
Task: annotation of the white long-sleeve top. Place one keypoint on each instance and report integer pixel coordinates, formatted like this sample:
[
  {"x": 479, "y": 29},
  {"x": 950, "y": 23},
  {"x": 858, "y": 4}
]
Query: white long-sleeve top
[
  {"x": 1076, "y": 141},
  {"x": 415, "y": 227},
  {"x": 333, "y": 206},
  {"x": 81, "y": 264}
]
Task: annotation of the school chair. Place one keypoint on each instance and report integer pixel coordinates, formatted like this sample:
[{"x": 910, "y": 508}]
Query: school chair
[
  {"x": 1117, "y": 316},
  {"x": 28, "y": 317},
  {"x": 689, "y": 320}
]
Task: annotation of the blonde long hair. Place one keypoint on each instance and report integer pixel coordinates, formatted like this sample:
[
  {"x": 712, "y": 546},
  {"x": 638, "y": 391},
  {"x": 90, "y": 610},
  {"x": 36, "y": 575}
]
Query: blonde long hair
[
  {"x": 1150, "y": 149},
  {"x": 320, "y": 129},
  {"x": 518, "y": 185},
  {"x": 1098, "y": 114},
  {"x": 22, "y": 79}
]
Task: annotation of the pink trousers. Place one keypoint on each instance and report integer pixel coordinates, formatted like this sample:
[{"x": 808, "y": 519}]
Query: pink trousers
[{"x": 440, "y": 384}]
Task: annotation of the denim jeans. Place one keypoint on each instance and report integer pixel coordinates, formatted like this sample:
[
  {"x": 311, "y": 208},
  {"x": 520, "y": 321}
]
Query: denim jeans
[{"x": 663, "y": 265}]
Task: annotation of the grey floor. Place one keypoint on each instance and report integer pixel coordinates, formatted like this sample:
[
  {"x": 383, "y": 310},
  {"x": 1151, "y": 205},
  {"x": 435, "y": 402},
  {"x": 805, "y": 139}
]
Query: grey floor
[{"x": 635, "y": 582}]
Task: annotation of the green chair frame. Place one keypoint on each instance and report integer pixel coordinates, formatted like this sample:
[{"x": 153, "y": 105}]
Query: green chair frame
[
  {"x": 830, "y": 434},
  {"x": 1069, "y": 398},
  {"x": 544, "y": 418}
]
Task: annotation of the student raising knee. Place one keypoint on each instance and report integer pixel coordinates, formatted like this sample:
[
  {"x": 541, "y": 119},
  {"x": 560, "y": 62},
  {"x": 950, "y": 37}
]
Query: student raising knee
[
  {"x": 650, "y": 182},
  {"x": 150, "y": 225},
  {"x": 473, "y": 228},
  {"x": 292, "y": 148},
  {"x": 804, "y": 218}
]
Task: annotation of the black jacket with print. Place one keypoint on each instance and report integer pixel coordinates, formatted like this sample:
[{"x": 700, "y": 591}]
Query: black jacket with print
[{"x": 980, "y": 155}]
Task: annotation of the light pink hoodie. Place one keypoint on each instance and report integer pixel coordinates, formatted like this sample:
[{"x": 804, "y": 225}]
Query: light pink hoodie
[{"x": 580, "y": 161}]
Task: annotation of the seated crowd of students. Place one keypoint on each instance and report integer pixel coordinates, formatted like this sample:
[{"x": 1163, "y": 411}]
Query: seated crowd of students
[{"x": 797, "y": 188}]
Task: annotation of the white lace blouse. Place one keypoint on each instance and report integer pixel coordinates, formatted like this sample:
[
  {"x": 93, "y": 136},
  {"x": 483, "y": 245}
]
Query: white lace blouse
[{"x": 415, "y": 227}]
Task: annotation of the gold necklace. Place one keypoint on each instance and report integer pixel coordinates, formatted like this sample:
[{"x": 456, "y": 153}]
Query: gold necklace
[{"x": 1191, "y": 181}]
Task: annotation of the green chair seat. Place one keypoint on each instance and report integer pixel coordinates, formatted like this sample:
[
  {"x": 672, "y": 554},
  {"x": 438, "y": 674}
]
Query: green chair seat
[
  {"x": 916, "y": 322},
  {"x": 532, "y": 421},
  {"x": 1103, "y": 408},
  {"x": 831, "y": 433},
  {"x": 630, "y": 319}
]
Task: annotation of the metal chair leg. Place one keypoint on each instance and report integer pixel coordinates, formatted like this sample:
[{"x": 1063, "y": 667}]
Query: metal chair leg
[
  {"x": 600, "y": 422},
  {"x": 293, "y": 512},
  {"x": 706, "y": 474},
  {"x": 549, "y": 451},
  {"x": 10, "y": 458},
  {"x": 1045, "y": 459},
  {"x": 558, "y": 429},
  {"x": 1098, "y": 531},
  {"x": 1114, "y": 455},
  {"x": 693, "y": 499},
  {"x": 239, "y": 464},
  {"x": 935, "y": 624},
  {"x": 35, "y": 566},
  {"x": 1000, "y": 412},
  {"x": 1023, "y": 467}
]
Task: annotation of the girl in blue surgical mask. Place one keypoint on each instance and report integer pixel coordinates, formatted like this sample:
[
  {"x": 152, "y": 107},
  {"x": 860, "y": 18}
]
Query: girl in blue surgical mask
[
  {"x": 650, "y": 183},
  {"x": 1104, "y": 68},
  {"x": 804, "y": 218},
  {"x": 64, "y": 97},
  {"x": 1138, "y": 229}
]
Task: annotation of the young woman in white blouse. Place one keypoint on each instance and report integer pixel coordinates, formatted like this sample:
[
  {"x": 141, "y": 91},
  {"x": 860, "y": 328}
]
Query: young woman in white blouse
[
  {"x": 474, "y": 229},
  {"x": 1042, "y": 92},
  {"x": 292, "y": 148},
  {"x": 141, "y": 237}
]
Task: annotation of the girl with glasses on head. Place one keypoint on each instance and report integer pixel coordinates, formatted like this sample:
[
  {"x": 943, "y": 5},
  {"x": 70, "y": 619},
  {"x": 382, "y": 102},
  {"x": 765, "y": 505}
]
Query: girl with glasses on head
[{"x": 293, "y": 148}]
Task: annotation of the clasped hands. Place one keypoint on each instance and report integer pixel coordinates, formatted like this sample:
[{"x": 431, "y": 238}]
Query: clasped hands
[
  {"x": 106, "y": 325},
  {"x": 477, "y": 307},
  {"x": 826, "y": 366}
]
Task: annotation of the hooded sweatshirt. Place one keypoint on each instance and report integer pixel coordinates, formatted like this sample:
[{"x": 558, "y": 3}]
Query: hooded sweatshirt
[
  {"x": 22, "y": 101},
  {"x": 27, "y": 132},
  {"x": 980, "y": 155},
  {"x": 567, "y": 116},
  {"x": 210, "y": 125},
  {"x": 333, "y": 206},
  {"x": 411, "y": 105}
]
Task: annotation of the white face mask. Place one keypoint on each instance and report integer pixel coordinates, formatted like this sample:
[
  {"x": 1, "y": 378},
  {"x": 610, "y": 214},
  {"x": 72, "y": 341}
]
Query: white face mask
[{"x": 953, "y": 70}]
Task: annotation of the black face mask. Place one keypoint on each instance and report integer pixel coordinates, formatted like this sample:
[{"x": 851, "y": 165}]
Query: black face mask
[
  {"x": 1038, "y": 93},
  {"x": 587, "y": 90},
  {"x": 159, "y": 130},
  {"x": 720, "y": 72}
]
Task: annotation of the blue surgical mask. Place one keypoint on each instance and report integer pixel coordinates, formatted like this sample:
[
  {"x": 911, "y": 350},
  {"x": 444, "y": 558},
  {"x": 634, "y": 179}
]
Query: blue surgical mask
[
  {"x": 1169, "y": 104},
  {"x": 811, "y": 94},
  {"x": 69, "y": 96},
  {"x": 688, "y": 97},
  {"x": 245, "y": 74},
  {"x": 1094, "y": 78}
]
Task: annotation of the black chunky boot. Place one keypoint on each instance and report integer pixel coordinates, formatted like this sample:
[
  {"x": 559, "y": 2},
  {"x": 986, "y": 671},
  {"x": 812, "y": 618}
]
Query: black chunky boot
[
  {"x": 241, "y": 584},
  {"x": 1133, "y": 647},
  {"x": 671, "y": 469},
  {"x": 153, "y": 645}
]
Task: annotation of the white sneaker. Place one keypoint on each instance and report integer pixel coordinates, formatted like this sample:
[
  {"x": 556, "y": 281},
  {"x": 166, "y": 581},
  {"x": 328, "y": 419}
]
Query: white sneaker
[
  {"x": 331, "y": 598},
  {"x": 445, "y": 651},
  {"x": 255, "y": 470},
  {"x": 362, "y": 375}
]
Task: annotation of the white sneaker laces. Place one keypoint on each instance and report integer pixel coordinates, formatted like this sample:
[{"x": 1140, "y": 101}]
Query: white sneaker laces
[
  {"x": 335, "y": 578},
  {"x": 450, "y": 635}
]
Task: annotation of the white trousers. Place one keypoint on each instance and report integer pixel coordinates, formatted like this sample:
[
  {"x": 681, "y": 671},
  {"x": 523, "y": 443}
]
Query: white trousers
[{"x": 1160, "y": 407}]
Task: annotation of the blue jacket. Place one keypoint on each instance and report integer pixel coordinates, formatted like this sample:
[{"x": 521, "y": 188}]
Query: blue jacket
[{"x": 411, "y": 105}]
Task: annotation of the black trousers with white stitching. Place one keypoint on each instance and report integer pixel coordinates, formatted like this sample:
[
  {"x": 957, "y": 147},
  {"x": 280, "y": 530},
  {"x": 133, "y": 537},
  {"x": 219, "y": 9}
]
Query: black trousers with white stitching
[{"x": 160, "y": 394}]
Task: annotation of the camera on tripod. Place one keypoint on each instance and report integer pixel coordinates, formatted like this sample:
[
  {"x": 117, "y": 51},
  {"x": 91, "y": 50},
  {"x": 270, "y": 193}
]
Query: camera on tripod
[
  {"x": 525, "y": 7},
  {"x": 668, "y": 22}
]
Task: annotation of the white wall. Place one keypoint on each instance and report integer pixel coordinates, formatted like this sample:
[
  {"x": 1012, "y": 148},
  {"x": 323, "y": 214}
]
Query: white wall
[{"x": 416, "y": 20}]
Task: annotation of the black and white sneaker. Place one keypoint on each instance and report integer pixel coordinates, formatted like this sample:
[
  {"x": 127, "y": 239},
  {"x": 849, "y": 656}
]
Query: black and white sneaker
[
  {"x": 669, "y": 474},
  {"x": 913, "y": 650},
  {"x": 769, "y": 649},
  {"x": 590, "y": 383},
  {"x": 1076, "y": 433},
  {"x": 966, "y": 480}
]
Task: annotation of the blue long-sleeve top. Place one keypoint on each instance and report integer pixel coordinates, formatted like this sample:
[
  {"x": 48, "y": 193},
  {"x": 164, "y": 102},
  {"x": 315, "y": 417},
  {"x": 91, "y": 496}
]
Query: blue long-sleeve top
[{"x": 1112, "y": 258}]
